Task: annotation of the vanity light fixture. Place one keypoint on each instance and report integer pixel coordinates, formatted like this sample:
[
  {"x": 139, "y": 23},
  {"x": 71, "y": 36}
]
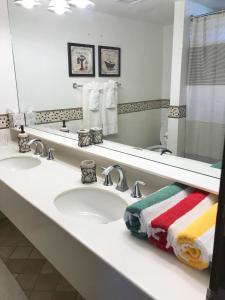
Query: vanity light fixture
[
  {"x": 27, "y": 3},
  {"x": 82, "y": 3},
  {"x": 59, "y": 6}
]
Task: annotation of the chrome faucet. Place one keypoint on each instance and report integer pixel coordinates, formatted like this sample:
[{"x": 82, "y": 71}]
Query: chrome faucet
[
  {"x": 122, "y": 183},
  {"x": 42, "y": 151},
  {"x": 108, "y": 179}
]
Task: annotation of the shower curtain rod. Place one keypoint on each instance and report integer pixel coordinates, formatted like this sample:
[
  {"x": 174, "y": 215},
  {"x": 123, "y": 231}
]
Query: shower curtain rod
[{"x": 209, "y": 14}]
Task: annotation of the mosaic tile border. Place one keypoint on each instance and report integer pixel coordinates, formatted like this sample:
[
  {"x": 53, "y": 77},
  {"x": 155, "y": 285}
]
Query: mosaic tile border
[
  {"x": 177, "y": 112},
  {"x": 58, "y": 115},
  {"x": 131, "y": 107},
  {"x": 4, "y": 121},
  {"x": 53, "y": 116}
]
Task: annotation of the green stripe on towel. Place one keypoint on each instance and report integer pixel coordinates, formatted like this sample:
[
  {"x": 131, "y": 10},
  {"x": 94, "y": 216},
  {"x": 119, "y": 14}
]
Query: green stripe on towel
[{"x": 132, "y": 214}]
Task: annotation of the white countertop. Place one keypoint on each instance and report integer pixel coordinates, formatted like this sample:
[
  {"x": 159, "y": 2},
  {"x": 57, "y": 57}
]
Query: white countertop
[{"x": 157, "y": 273}]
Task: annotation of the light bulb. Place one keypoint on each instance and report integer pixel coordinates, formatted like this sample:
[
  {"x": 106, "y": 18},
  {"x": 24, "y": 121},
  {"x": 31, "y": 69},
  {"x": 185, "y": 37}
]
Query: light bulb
[
  {"x": 82, "y": 3},
  {"x": 59, "y": 6},
  {"x": 29, "y": 4}
]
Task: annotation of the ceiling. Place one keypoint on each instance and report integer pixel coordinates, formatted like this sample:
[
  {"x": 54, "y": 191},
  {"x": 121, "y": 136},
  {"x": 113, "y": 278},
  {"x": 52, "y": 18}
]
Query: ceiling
[{"x": 155, "y": 11}]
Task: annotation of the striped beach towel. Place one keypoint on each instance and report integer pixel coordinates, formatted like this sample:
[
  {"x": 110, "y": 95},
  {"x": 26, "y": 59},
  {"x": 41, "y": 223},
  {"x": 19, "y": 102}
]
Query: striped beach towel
[
  {"x": 136, "y": 215},
  {"x": 193, "y": 244},
  {"x": 177, "y": 219},
  {"x": 159, "y": 227}
]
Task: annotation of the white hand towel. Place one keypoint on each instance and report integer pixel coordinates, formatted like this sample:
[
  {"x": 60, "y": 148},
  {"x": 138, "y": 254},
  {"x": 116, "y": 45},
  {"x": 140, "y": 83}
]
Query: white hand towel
[
  {"x": 111, "y": 95},
  {"x": 94, "y": 99},
  {"x": 91, "y": 117},
  {"x": 109, "y": 111}
]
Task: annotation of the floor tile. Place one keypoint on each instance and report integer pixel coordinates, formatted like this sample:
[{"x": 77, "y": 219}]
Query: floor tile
[
  {"x": 32, "y": 266},
  {"x": 23, "y": 241},
  {"x": 64, "y": 296},
  {"x": 35, "y": 254},
  {"x": 48, "y": 268},
  {"x": 21, "y": 252},
  {"x": 9, "y": 288},
  {"x": 27, "y": 281},
  {"x": 10, "y": 240},
  {"x": 79, "y": 297},
  {"x": 36, "y": 276},
  {"x": 64, "y": 286},
  {"x": 27, "y": 293},
  {"x": 46, "y": 282},
  {"x": 5, "y": 252},
  {"x": 15, "y": 265},
  {"x": 41, "y": 296}
]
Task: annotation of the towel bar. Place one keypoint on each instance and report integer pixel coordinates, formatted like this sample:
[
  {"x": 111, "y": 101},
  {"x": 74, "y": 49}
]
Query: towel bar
[{"x": 76, "y": 85}]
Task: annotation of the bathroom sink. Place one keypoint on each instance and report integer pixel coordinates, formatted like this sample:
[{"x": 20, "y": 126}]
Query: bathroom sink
[
  {"x": 20, "y": 163},
  {"x": 91, "y": 205}
]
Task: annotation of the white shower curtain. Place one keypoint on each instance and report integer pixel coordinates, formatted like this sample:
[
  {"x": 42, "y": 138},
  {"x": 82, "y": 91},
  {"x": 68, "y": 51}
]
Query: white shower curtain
[{"x": 205, "y": 125}]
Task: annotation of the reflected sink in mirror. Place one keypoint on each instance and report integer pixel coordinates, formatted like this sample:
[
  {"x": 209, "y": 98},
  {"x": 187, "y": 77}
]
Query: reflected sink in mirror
[
  {"x": 91, "y": 205},
  {"x": 20, "y": 163}
]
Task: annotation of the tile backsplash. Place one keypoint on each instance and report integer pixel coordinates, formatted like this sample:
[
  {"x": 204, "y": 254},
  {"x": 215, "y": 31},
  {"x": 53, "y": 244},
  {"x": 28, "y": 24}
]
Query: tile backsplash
[
  {"x": 4, "y": 121},
  {"x": 177, "y": 112},
  {"x": 52, "y": 116}
]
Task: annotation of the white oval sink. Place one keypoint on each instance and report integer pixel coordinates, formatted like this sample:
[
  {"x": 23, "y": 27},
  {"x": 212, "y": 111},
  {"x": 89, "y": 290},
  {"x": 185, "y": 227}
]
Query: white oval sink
[
  {"x": 92, "y": 205},
  {"x": 20, "y": 163}
]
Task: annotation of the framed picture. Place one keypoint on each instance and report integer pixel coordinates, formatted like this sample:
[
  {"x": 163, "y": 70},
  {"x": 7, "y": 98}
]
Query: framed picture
[
  {"x": 81, "y": 58},
  {"x": 109, "y": 61}
]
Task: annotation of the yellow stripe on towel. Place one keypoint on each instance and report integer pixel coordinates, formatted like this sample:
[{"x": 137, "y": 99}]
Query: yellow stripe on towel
[{"x": 193, "y": 245}]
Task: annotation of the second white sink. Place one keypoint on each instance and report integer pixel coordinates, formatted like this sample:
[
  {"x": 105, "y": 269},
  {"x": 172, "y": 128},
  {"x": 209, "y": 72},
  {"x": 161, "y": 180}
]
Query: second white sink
[
  {"x": 20, "y": 163},
  {"x": 91, "y": 205}
]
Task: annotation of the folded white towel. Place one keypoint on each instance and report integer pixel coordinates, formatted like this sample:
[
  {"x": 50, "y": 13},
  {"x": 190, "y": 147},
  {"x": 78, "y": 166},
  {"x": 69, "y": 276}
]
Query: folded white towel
[
  {"x": 111, "y": 97},
  {"x": 109, "y": 109},
  {"x": 92, "y": 116},
  {"x": 94, "y": 99}
]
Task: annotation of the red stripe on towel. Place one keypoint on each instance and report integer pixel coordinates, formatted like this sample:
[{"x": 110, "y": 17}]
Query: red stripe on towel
[{"x": 165, "y": 220}]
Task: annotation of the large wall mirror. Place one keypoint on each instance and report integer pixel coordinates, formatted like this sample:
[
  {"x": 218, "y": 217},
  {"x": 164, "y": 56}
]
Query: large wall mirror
[{"x": 64, "y": 75}]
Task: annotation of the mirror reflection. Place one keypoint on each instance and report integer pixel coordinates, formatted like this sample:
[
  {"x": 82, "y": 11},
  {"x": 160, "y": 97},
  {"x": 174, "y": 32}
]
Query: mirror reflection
[{"x": 151, "y": 74}]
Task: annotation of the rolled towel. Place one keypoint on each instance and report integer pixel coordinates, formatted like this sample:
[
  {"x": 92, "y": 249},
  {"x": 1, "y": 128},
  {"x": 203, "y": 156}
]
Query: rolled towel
[
  {"x": 194, "y": 244},
  {"x": 159, "y": 227},
  {"x": 136, "y": 215}
]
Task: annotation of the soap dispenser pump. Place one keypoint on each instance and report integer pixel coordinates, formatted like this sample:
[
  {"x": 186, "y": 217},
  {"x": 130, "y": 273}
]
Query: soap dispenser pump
[
  {"x": 23, "y": 139},
  {"x": 64, "y": 128}
]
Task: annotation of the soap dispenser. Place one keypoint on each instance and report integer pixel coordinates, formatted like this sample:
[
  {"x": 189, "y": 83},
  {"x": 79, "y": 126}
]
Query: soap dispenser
[
  {"x": 23, "y": 139},
  {"x": 64, "y": 128}
]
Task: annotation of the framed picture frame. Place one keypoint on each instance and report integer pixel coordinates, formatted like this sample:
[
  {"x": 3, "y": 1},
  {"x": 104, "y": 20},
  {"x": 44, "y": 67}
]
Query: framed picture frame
[
  {"x": 81, "y": 60},
  {"x": 109, "y": 59}
]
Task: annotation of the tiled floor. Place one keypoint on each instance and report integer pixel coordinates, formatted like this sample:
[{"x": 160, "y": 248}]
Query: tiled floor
[{"x": 36, "y": 276}]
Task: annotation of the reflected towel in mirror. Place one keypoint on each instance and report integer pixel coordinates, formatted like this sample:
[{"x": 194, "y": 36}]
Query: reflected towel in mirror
[
  {"x": 109, "y": 108},
  {"x": 92, "y": 116}
]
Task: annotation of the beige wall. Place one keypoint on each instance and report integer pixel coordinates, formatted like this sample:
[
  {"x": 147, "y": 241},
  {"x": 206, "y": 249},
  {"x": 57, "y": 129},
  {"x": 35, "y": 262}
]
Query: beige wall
[
  {"x": 8, "y": 94},
  {"x": 139, "y": 129},
  {"x": 40, "y": 44}
]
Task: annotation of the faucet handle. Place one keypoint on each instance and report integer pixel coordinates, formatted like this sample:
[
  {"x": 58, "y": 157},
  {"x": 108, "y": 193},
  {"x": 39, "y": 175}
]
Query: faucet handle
[
  {"x": 51, "y": 154},
  {"x": 108, "y": 179},
  {"x": 136, "y": 193}
]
